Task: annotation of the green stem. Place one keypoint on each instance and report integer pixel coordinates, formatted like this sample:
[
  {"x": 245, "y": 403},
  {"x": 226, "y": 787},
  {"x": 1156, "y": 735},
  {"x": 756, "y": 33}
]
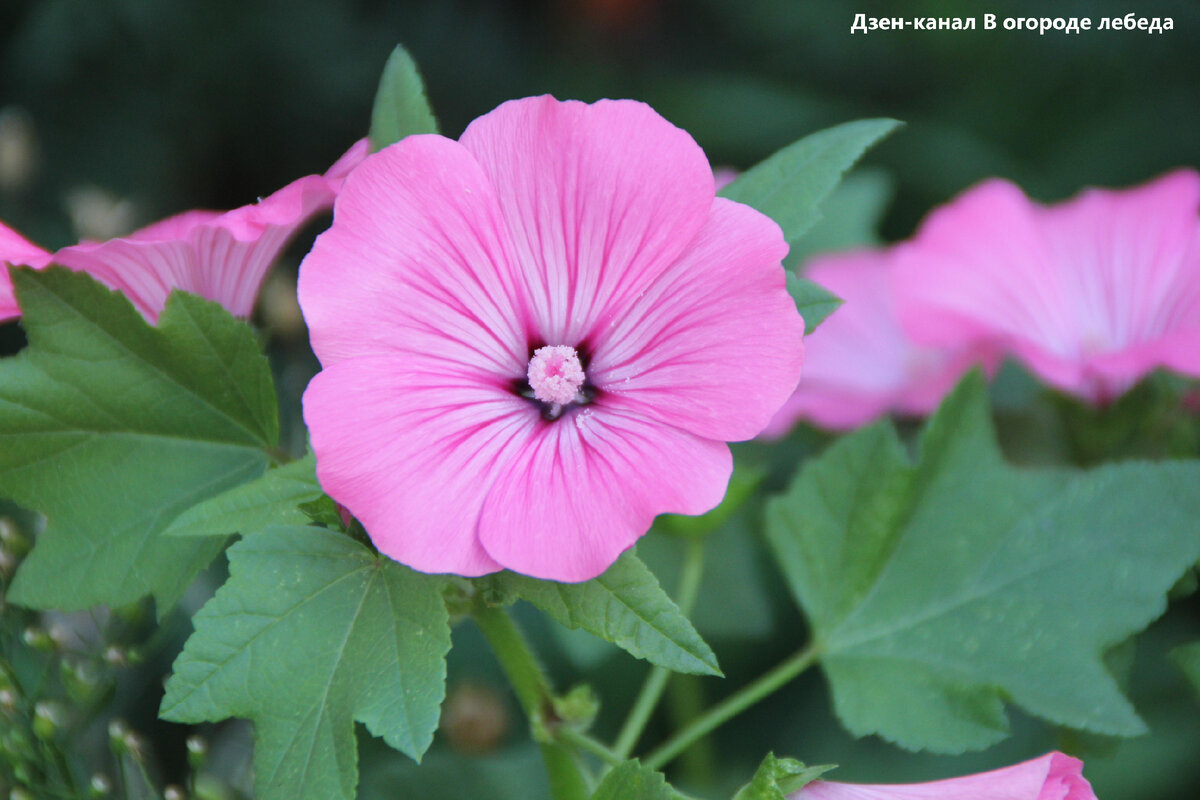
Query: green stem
[
  {"x": 656, "y": 681},
  {"x": 581, "y": 741},
  {"x": 567, "y": 780},
  {"x": 731, "y": 706}
]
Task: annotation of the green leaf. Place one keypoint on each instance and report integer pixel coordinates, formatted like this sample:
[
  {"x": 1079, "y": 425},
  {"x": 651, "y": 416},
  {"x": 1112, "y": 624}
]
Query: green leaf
[
  {"x": 111, "y": 428},
  {"x": 1187, "y": 658},
  {"x": 273, "y": 499},
  {"x": 312, "y": 632},
  {"x": 625, "y": 606},
  {"x": 790, "y": 185},
  {"x": 938, "y": 590},
  {"x": 776, "y": 778},
  {"x": 632, "y": 781},
  {"x": 400, "y": 108},
  {"x": 812, "y": 301},
  {"x": 850, "y": 217}
]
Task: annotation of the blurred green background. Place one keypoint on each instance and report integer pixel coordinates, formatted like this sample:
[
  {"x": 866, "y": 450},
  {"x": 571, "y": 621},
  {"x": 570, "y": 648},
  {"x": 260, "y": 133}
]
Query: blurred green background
[{"x": 114, "y": 113}]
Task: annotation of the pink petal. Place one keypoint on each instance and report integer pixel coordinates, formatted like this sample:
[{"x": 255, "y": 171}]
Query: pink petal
[
  {"x": 572, "y": 495},
  {"x": 412, "y": 449},
  {"x": 1091, "y": 293},
  {"x": 336, "y": 174},
  {"x": 860, "y": 364},
  {"x": 417, "y": 260},
  {"x": 220, "y": 256},
  {"x": 1053, "y": 776},
  {"x": 17, "y": 251},
  {"x": 713, "y": 344},
  {"x": 600, "y": 200}
]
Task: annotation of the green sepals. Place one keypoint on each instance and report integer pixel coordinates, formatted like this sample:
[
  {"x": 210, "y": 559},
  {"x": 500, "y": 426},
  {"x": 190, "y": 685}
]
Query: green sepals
[
  {"x": 400, "y": 107},
  {"x": 112, "y": 428},
  {"x": 745, "y": 480},
  {"x": 270, "y": 500},
  {"x": 312, "y": 632},
  {"x": 632, "y": 781},
  {"x": 1187, "y": 658},
  {"x": 939, "y": 589},
  {"x": 776, "y": 778},
  {"x": 790, "y": 185},
  {"x": 814, "y": 302},
  {"x": 577, "y": 708},
  {"x": 626, "y": 606}
]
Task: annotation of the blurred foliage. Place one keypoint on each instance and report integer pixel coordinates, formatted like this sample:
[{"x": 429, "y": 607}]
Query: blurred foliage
[{"x": 125, "y": 111}]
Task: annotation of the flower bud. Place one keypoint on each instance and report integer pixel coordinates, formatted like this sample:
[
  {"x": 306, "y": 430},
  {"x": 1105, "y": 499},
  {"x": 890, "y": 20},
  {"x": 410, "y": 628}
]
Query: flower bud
[
  {"x": 174, "y": 793},
  {"x": 99, "y": 787},
  {"x": 48, "y": 717},
  {"x": 117, "y": 732},
  {"x": 38, "y": 639},
  {"x": 197, "y": 748}
]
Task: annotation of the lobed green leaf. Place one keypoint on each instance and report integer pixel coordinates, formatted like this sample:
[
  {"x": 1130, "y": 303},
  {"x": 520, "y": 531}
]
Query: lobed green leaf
[
  {"x": 312, "y": 632},
  {"x": 631, "y": 781},
  {"x": 938, "y": 590},
  {"x": 272, "y": 499},
  {"x": 111, "y": 428},
  {"x": 625, "y": 606}
]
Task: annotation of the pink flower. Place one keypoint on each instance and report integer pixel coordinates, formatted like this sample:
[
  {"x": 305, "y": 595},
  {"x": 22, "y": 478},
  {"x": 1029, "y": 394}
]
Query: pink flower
[
  {"x": 860, "y": 364},
  {"x": 1054, "y": 776},
  {"x": 537, "y": 338},
  {"x": 1092, "y": 293},
  {"x": 15, "y": 250},
  {"x": 222, "y": 256}
]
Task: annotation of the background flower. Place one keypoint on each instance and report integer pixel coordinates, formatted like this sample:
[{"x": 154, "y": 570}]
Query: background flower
[
  {"x": 860, "y": 364},
  {"x": 1092, "y": 293},
  {"x": 1054, "y": 776},
  {"x": 465, "y": 288}
]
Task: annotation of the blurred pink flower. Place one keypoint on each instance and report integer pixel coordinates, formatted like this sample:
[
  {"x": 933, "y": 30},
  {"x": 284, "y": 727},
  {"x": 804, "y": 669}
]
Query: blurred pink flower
[
  {"x": 15, "y": 250},
  {"x": 1091, "y": 294},
  {"x": 222, "y": 256},
  {"x": 537, "y": 338},
  {"x": 859, "y": 364},
  {"x": 1054, "y": 776}
]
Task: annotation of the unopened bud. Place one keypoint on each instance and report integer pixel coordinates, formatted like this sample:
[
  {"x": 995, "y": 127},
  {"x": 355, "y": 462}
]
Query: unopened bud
[
  {"x": 38, "y": 639},
  {"x": 48, "y": 717},
  {"x": 8, "y": 701},
  {"x": 197, "y": 748},
  {"x": 115, "y": 656},
  {"x": 135, "y": 745},
  {"x": 117, "y": 732},
  {"x": 174, "y": 793},
  {"x": 20, "y": 794},
  {"x": 475, "y": 719},
  {"x": 99, "y": 787}
]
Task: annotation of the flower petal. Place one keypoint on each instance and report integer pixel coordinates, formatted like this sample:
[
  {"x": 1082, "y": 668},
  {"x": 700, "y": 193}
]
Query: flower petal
[
  {"x": 577, "y": 493},
  {"x": 221, "y": 256},
  {"x": 417, "y": 261},
  {"x": 600, "y": 199},
  {"x": 1053, "y": 776},
  {"x": 860, "y": 363},
  {"x": 18, "y": 251},
  {"x": 412, "y": 450},
  {"x": 713, "y": 345}
]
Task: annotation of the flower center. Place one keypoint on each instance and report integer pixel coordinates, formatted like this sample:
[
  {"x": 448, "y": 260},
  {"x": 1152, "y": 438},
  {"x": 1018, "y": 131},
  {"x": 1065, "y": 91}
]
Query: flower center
[{"x": 555, "y": 374}]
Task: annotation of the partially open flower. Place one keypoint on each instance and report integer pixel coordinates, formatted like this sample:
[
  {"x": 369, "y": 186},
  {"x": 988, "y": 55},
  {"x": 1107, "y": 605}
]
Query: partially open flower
[
  {"x": 222, "y": 256},
  {"x": 1091, "y": 294},
  {"x": 860, "y": 364},
  {"x": 539, "y": 337},
  {"x": 1054, "y": 776}
]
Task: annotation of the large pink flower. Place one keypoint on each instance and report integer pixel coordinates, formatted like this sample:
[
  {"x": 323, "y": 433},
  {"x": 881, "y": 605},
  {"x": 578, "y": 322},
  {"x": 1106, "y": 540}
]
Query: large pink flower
[
  {"x": 17, "y": 251},
  {"x": 860, "y": 364},
  {"x": 1092, "y": 293},
  {"x": 540, "y": 336},
  {"x": 1054, "y": 776},
  {"x": 222, "y": 256}
]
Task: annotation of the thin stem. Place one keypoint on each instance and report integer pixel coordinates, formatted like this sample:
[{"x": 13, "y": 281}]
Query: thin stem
[
  {"x": 656, "y": 681},
  {"x": 520, "y": 665},
  {"x": 587, "y": 744},
  {"x": 731, "y": 706}
]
